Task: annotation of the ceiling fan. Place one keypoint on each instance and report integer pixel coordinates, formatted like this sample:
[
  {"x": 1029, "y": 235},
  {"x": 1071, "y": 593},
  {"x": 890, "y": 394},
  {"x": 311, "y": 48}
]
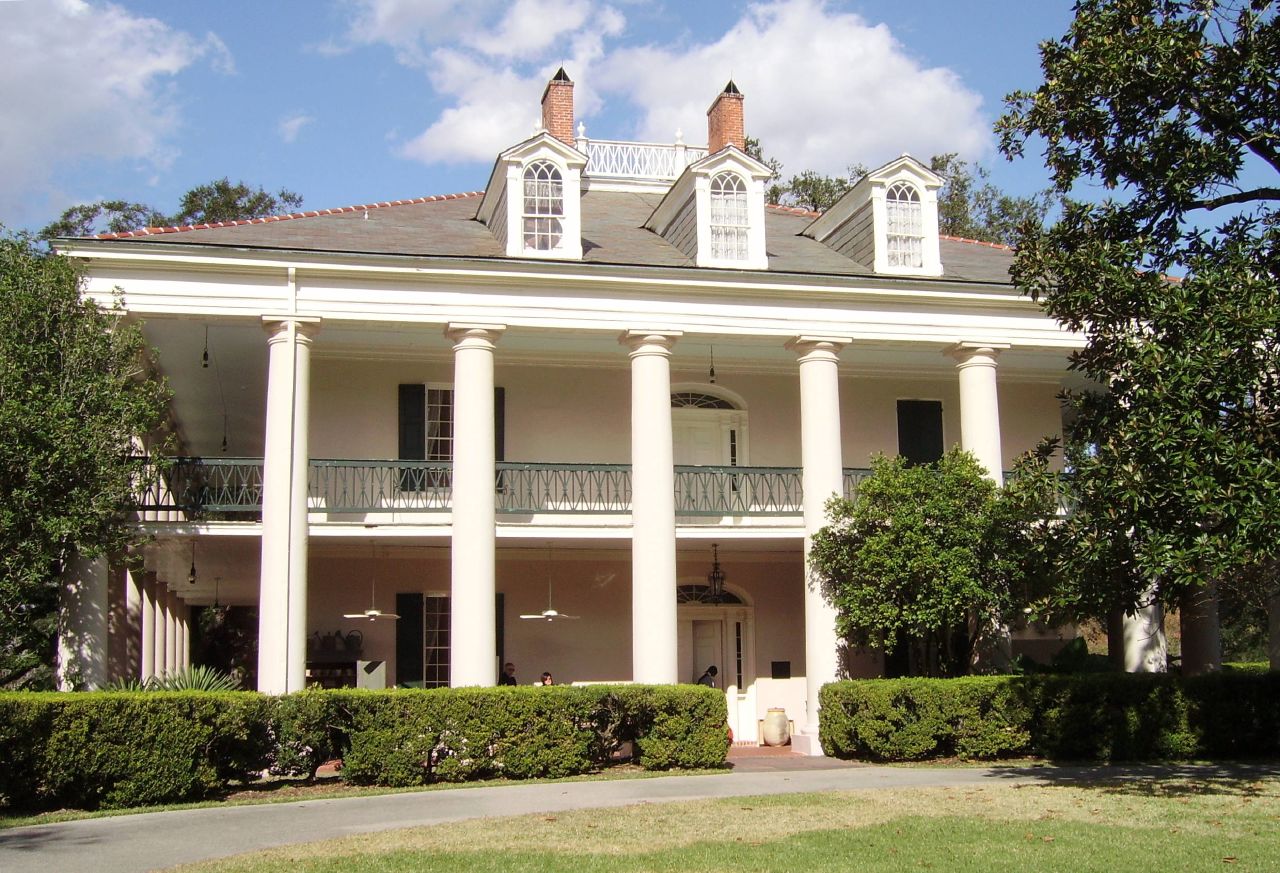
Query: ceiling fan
[
  {"x": 372, "y": 613},
  {"x": 550, "y": 613}
]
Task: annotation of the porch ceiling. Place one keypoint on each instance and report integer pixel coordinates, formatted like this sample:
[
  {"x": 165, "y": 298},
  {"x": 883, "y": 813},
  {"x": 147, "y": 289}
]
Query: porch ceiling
[
  {"x": 230, "y": 563},
  {"x": 232, "y": 388}
]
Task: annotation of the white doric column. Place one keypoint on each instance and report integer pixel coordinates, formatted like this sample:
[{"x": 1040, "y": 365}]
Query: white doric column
[
  {"x": 282, "y": 599},
  {"x": 162, "y": 626},
  {"x": 654, "y": 657},
  {"x": 133, "y": 606},
  {"x": 170, "y": 632},
  {"x": 147, "y": 667},
  {"x": 979, "y": 404},
  {"x": 184, "y": 635},
  {"x": 82, "y": 625},
  {"x": 473, "y": 645},
  {"x": 822, "y": 478}
]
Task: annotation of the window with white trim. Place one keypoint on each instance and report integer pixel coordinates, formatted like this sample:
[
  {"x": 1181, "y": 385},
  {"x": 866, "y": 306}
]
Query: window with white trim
[
  {"x": 543, "y": 206},
  {"x": 729, "y": 223},
  {"x": 905, "y": 226},
  {"x": 439, "y": 424}
]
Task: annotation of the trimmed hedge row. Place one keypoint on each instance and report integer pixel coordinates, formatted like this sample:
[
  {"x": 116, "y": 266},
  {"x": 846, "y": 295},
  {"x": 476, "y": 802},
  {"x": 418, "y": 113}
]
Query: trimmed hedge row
[
  {"x": 1091, "y": 717},
  {"x": 115, "y": 749}
]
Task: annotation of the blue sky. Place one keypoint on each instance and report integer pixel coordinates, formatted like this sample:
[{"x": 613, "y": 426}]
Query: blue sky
[{"x": 368, "y": 100}]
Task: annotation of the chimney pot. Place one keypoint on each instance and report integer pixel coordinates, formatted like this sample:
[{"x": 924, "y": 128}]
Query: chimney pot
[
  {"x": 557, "y": 107},
  {"x": 725, "y": 122}
]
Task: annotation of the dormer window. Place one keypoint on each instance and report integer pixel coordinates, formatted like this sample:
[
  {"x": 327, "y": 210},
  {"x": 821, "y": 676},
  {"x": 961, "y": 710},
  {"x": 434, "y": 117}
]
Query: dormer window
[
  {"x": 533, "y": 203},
  {"x": 905, "y": 226},
  {"x": 729, "y": 223},
  {"x": 888, "y": 221},
  {"x": 543, "y": 206}
]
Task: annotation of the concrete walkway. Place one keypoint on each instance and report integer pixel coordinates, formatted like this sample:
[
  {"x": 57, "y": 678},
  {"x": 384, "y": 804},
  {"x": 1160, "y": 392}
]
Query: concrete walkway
[{"x": 157, "y": 840}]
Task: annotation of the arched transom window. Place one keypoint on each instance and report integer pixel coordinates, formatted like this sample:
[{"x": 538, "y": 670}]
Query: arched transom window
[
  {"x": 728, "y": 217},
  {"x": 905, "y": 226},
  {"x": 543, "y": 206},
  {"x": 702, "y": 594},
  {"x": 698, "y": 400}
]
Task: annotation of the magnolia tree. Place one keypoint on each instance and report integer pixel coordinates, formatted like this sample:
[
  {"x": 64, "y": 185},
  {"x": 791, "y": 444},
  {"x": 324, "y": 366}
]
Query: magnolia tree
[
  {"x": 936, "y": 557},
  {"x": 1170, "y": 109},
  {"x": 74, "y": 394}
]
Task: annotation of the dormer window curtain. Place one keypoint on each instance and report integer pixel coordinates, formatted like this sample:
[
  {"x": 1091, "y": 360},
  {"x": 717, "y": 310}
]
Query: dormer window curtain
[
  {"x": 543, "y": 206},
  {"x": 729, "y": 221},
  {"x": 905, "y": 226}
]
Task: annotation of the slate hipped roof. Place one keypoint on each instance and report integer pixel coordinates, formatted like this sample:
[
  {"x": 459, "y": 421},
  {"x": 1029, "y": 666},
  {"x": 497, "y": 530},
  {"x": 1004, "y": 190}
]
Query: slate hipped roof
[{"x": 612, "y": 233}]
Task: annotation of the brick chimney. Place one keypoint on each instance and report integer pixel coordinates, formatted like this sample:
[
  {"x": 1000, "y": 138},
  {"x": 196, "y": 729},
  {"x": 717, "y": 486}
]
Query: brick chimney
[
  {"x": 724, "y": 120},
  {"x": 557, "y": 107}
]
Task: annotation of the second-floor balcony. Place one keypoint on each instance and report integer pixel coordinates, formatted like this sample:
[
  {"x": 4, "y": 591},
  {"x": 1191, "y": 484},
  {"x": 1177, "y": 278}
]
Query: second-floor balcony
[{"x": 231, "y": 489}]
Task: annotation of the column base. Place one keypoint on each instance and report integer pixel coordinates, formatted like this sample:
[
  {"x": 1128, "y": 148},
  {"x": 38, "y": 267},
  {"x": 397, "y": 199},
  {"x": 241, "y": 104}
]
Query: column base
[{"x": 805, "y": 743}]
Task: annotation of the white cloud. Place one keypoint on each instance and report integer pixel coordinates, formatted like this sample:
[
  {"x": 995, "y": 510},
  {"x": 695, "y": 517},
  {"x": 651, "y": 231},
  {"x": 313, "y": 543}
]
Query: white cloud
[
  {"x": 824, "y": 88},
  {"x": 82, "y": 82},
  {"x": 291, "y": 125}
]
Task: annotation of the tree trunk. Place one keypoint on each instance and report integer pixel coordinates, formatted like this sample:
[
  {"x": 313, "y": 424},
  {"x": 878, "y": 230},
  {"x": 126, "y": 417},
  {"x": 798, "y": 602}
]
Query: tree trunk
[
  {"x": 1115, "y": 639},
  {"x": 1273, "y": 630},
  {"x": 1201, "y": 635}
]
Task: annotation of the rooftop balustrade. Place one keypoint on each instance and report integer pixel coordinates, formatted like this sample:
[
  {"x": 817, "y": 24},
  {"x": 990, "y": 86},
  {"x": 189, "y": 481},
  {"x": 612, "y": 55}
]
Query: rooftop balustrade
[{"x": 637, "y": 160}]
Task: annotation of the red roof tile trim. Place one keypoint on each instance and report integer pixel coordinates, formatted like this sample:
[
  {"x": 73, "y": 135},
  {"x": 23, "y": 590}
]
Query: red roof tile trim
[
  {"x": 152, "y": 231},
  {"x": 792, "y": 210},
  {"x": 976, "y": 242}
]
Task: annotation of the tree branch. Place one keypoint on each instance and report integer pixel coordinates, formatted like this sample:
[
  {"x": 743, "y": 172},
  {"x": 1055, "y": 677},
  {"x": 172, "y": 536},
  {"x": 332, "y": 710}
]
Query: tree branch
[{"x": 1238, "y": 197}]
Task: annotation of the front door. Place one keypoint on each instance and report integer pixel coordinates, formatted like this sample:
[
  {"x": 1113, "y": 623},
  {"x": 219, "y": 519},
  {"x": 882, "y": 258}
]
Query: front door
[
  {"x": 697, "y": 438},
  {"x": 721, "y": 635}
]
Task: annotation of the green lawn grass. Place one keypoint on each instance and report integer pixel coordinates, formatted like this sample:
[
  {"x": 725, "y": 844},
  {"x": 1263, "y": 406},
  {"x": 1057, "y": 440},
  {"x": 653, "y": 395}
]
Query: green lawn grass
[{"x": 1174, "y": 825}]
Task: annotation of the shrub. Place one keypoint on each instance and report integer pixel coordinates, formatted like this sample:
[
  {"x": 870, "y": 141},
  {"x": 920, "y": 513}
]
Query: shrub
[
  {"x": 134, "y": 748},
  {"x": 128, "y": 748},
  {"x": 1090, "y": 717}
]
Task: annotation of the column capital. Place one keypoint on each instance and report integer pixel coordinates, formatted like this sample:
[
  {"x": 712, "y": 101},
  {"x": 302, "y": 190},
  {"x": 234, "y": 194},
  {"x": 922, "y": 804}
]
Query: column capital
[
  {"x": 818, "y": 348},
  {"x": 277, "y": 326},
  {"x": 975, "y": 353},
  {"x": 650, "y": 342},
  {"x": 467, "y": 335}
]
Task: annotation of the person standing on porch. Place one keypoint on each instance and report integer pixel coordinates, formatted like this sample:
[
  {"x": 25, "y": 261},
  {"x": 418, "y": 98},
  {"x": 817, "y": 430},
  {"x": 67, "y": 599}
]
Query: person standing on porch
[
  {"x": 709, "y": 677},
  {"x": 508, "y": 676}
]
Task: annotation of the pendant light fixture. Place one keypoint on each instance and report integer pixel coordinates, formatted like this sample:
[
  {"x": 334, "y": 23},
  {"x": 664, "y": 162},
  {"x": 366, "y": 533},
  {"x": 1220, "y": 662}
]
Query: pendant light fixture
[
  {"x": 715, "y": 579},
  {"x": 191, "y": 575},
  {"x": 712, "y": 374},
  {"x": 204, "y": 358}
]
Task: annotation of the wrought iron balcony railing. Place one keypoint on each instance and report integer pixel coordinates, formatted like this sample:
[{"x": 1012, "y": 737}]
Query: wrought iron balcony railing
[{"x": 231, "y": 488}]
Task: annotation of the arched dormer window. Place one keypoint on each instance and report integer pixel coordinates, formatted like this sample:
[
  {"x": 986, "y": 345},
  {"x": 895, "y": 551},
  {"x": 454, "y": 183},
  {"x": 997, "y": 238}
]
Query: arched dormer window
[
  {"x": 729, "y": 223},
  {"x": 905, "y": 226},
  {"x": 543, "y": 206}
]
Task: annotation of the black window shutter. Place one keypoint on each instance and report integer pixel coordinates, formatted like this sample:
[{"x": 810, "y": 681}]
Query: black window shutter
[
  {"x": 920, "y": 431},
  {"x": 413, "y": 422},
  {"x": 499, "y": 423},
  {"x": 409, "y": 647}
]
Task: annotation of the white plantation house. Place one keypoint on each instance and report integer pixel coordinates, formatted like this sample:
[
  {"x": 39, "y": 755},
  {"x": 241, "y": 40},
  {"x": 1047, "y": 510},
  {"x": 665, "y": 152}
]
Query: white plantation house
[{"x": 585, "y": 421}]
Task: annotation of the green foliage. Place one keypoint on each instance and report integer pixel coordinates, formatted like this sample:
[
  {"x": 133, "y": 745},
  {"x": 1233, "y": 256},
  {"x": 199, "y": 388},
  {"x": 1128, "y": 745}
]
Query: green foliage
[
  {"x": 74, "y": 393},
  {"x": 192, "y": 679},
  {"x": 1174, "y": 469},
  {"x": 114, "y": 749},
  {"x": 1090, "y": 717},
  {"x": 925, "y": 552},
  {"x": 413, "y": 737},
  {"x": 121, "y": 749},
  {"x": 969, "y": 206},
  {"x": 219, "y": 200}
]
